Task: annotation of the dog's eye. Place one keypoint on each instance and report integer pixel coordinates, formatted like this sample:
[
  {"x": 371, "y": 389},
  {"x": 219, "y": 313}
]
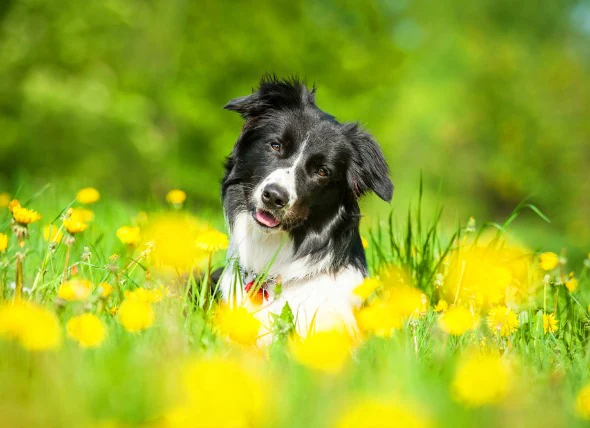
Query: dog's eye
[
  {"x": 275, "y": 146},
  {"x": 323, "y": 172}
]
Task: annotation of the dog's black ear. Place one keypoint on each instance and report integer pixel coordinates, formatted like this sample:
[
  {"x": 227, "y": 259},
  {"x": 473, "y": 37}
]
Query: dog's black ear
[
  {"x": 368, "y": 169},
  {"x": 273, "y": 94},
  {"x": 248, "y": 106}
]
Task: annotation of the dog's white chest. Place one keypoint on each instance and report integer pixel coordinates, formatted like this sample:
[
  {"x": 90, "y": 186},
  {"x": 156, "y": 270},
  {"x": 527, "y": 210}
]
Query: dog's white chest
[{"x": 319, "y": 301}]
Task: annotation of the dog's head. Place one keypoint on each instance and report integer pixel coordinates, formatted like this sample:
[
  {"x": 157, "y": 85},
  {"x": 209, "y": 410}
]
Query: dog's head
[{"x": 295, "y": 163}]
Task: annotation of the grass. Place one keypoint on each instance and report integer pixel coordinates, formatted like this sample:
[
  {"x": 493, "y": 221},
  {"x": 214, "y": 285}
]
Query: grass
[{"x": 183, "y": 365}]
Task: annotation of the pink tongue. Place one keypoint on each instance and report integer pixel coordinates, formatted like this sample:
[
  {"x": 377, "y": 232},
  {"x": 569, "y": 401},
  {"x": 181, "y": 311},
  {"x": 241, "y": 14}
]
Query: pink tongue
[{"x": 266, "y": 219}]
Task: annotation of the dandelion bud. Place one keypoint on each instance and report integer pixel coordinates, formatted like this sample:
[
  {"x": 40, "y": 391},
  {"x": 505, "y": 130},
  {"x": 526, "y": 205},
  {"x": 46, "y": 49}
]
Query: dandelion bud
[
  {"x": 86, "y": 255},
  {"x": 21, "y": 232},
  {"x": 149, "y": 247},
  {"x": 470, "y": 228},
  {"x": 112, "y": 265},
  {"x": 439, "y": 280},
  {"x": 4, "y": 199},
  {"x": 176, "y": 197},
  {"x": 3, "y": 242},
  {"x": 88, "y": 195}
]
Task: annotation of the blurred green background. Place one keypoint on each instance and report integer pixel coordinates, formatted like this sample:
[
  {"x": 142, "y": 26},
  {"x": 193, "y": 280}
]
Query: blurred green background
[{"x": 489, "y": 99}]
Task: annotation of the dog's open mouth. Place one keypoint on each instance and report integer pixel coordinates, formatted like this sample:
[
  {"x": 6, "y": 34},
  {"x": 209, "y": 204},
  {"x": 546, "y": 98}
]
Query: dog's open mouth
[{"x": 266, "y": 219}]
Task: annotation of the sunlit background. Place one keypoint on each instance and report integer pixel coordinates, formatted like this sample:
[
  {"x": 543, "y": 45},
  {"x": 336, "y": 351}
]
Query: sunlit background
[{"x": 489, "y": 100}]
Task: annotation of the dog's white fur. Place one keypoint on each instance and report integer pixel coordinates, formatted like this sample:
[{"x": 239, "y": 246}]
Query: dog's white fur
[{"x": 319, "y": 300}]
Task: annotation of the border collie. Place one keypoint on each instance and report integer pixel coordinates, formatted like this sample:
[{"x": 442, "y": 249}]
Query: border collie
[{"x": 290, "y": 196}]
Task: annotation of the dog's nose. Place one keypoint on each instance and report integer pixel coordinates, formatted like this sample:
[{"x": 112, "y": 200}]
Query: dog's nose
[{"x": 274, "y": 196}]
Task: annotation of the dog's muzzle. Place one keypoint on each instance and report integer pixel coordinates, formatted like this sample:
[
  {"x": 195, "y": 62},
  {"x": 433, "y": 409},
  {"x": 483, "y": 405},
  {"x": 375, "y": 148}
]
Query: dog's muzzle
[{"x": 274, "y": 197}]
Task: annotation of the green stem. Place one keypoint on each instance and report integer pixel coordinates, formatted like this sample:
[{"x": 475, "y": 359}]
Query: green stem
[
  {"x": 18, "y": 291},
  {"x": 206, "y": 287},
  {"x": 66, "y": 265},
  {"x": 2, "y": 284},
  {"x": 41, "y": 271}
]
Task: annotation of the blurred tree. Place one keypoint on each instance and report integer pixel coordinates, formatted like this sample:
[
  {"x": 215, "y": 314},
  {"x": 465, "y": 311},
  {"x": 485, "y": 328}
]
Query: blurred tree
[{"x": 489, "y": 97}]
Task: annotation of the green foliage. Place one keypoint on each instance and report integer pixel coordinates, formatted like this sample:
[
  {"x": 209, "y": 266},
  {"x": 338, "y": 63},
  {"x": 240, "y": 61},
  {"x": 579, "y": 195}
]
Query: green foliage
[
  {"x": 133, "y": 378},
  {"x": 488, "y": 98}
]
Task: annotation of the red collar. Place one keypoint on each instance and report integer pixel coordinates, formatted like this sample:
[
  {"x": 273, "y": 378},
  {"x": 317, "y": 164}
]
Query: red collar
[{"x": 258, "y": 295}]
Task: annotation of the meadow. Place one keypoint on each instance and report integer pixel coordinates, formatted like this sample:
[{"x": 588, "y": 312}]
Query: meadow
[{"x": 108, "y": 319}]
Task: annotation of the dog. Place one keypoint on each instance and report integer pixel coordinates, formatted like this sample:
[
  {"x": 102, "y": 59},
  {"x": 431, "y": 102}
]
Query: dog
[{"x": 290, "y": 197}]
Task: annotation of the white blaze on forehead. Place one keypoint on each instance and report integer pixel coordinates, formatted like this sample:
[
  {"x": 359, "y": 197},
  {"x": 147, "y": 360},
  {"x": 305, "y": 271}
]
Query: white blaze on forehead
[
  {"x": 301, "y": 152},
  {"x": 284, "y": 177}
]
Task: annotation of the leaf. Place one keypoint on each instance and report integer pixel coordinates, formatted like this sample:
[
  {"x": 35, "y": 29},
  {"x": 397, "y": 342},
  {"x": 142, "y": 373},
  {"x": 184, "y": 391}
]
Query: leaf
[
  {"x": 284, "y": 323},
  {"x": 538, "y": 212}
]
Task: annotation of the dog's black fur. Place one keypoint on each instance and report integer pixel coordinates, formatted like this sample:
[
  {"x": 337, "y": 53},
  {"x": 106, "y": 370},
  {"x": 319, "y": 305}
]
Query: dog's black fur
[{"x": 325, "y": 220}]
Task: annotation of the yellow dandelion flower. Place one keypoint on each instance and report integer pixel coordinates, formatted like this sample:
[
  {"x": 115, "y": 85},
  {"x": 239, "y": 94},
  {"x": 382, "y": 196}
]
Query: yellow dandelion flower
[
  {"x": 81, "y": 215},
  {"x": 129, "y": 235},
  {"x": 35, "y": 327},
  {"x": 145, "y": 295},
  {"x": 238, "y": 324},
  {"x": 441, "y": 306},
  {"x": 3, "y": 242},
  {"x": 365, "y": 243},
  {"x": 485, "y": 276},
  {"x": 378, "y": 319},
  {"x": 136, "y": 315},
  {"x": 75, "y": 290},
  {"x": 481, "y": 380},
  {"x": 550, "y": 323},
  {"x": 407, "y": 301},
  {"x": 583, "y": 402},
  {"x": 502, "y": 320},
  {"x": 88, "y": 195},
  {"x": 380, "y": 413},
  {"x": 86, "y": 329},
  {"x": 105, "y": 289},
  {"x": 204, "y": 381},
  {"x": 24, "y": 216},
  {"x": 458, "y": 320},
  {"x": 211, "y": 241},
  {"x": 398, "y": 290},
  {"x": 174, "y": 238},
  {"x": 176, "y": 197},
  {"x": 326, "y": 351},
  {"x": 367, "y": 288},
  {"x": 4, "y": 199},
  {"x": 548, "y": 261},
  {"x": 73, "y": 226},
  {"x": 15, "y": 203},
  {"x": 389, "y": 313},
  {"x": 571, "y": 283},
  {"x": 51, "y": 233}
]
